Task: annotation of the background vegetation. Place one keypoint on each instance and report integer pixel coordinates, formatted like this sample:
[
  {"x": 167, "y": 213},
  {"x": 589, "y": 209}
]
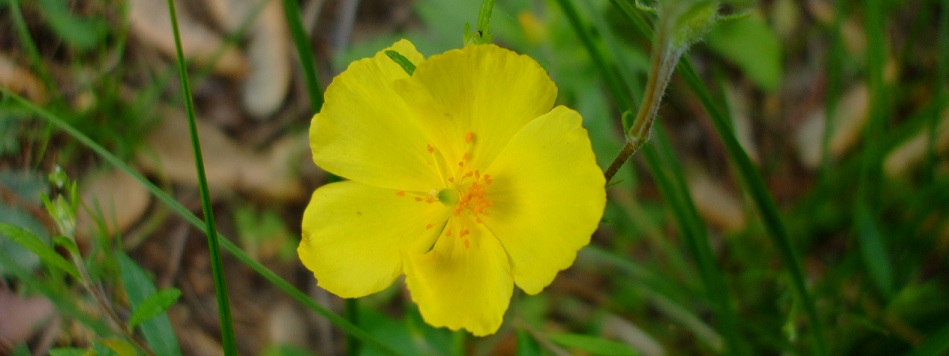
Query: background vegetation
[{"x": 794, "y": 198}]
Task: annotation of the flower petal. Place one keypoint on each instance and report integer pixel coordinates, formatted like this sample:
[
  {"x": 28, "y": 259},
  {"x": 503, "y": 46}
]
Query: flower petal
[
  {"x": 483, "y": 89},
  {"x": 353, "y": 236},
  {"x": 365, "y": 131},
  {"x": 461, "y": 285},
  {"x": 548, "y": 195}
]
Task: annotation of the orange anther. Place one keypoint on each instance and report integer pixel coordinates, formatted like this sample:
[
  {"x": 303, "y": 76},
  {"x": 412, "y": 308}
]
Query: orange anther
[
  {"x": 469, "y": 137},
  {"x": 430, "y": 148},
  {"x": 429, "y": 226},
  {"x": 400, "y": 193},
  {"x": 467, "y": 245},
  {"x": 418, "y": 198}
]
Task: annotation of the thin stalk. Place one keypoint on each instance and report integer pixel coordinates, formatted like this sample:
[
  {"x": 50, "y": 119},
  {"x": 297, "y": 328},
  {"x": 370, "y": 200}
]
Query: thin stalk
[
  {"x": 352, "y": 314},
  {"x": 942, "y": 76},
  {"x": 228, "y": 341},
  {"x": 866, "y": 212},
  {"x": 291, "y": 10},
  {"x": 663, "y": 62}
]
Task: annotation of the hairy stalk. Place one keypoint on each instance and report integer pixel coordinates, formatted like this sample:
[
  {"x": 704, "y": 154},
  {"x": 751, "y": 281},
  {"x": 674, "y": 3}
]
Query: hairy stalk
[{"x": 662, "y": 65}]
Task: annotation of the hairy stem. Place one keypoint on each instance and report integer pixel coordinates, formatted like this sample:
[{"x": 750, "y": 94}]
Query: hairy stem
[{"x": 663, "y": 62}]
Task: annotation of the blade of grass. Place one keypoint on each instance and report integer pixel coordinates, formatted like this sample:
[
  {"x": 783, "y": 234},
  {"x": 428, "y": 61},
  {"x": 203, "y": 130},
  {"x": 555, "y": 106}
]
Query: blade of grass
[
  {"x": 867, "y": 205},
  {"x": 291, "y": 9},
  {"x": 30, "y": 46},
  {"x": 175, "y": 206},
  {"x": 936, "y": 343},
  {"x": 228, "y": 341},
  {"x": 671, "y": 182},
  {"x": 764, "y": 202},
  {"x": 941, "y": 97}
]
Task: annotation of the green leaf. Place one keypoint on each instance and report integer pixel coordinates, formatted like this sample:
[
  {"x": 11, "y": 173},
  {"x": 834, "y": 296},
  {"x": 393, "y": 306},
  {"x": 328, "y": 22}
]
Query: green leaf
[
  {"x": 750, "y": 44},
  {"x": 70, "y": 351},
  {"x": 874, "y": 251},
  {"x": 81, "y": 33},
  {"x": 153, "y": 305},
  {"x": 158, "y": 332},
  {"x": 526, "y": 345},
  {"x": 33, "y": 243}
]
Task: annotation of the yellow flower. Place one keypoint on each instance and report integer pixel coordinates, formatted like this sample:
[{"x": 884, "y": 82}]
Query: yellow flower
[{"x": 462, "y": 176}]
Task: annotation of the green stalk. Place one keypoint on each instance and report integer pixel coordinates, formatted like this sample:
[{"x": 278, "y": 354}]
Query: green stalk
[
  {"x": 291, "y": 10},
  {"x": 942, "y": 76},
  {"x": 663, "y": 61},
  {"x": 186, "y": 214},
  {"x": 217, "y": 270},
  {"x": 867, "y": 205}
]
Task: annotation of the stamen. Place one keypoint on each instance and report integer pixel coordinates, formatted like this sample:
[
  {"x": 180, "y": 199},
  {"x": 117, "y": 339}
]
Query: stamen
[{"x": 400, "y": 193}]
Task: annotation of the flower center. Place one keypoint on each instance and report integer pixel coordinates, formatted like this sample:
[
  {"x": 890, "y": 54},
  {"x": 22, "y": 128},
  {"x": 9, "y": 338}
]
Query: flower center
[
  {"x": 465, "y": 190},
  {"x": 472, "y": 197}
]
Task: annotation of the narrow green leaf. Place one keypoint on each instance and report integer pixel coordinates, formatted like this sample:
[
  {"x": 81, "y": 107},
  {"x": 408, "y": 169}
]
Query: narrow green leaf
[
  {"x": 873, "y": 249},
  {"x": 153, "y": 305},
  {"x": 33, "y": 243},
  {"x": 291, "y": 11},
  {"x": 592, "y": 344},
  {"x": 526, "y": 344},
  {"x": 936, "y": 343},
  {"x": 71, "y": 351},
  {"x": 157, "y": 330},
  {"x": 399, "y": 59},
  {"x": 228, "y": 340},
  {"x": 101, "y": 349}
]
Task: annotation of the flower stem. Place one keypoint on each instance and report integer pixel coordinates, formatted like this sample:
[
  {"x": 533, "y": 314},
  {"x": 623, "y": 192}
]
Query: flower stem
[{"x": 663, "y": 62}]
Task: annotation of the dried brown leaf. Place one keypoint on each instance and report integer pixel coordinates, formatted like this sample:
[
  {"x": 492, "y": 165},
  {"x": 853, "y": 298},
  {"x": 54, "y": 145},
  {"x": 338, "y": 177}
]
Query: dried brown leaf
[
  {"x": 848, "y": 120},
  {"x": 19, "y": 80},
  {"x": 271, "y": 174},
  {"x": 115, "y": 197}
]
